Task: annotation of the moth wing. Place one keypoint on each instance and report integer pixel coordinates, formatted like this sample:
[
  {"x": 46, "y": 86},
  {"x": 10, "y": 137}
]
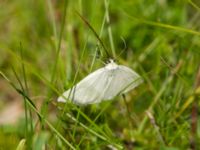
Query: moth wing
[
  {"x": 88, "y": 90},
  {"x": 132, "y": 76},
  {"x": 123, "y": 79}
]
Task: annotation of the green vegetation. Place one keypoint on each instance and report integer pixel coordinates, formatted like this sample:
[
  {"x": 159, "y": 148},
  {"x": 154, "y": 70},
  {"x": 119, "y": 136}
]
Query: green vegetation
[{"x": 46, "y": 47}]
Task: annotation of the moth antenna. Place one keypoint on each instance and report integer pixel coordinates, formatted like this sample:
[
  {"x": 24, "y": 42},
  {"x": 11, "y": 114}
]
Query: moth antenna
[{"x": 124, "y": 49}]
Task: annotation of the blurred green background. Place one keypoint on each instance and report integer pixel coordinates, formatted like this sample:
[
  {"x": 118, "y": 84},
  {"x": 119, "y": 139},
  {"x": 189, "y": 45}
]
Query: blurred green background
[{"x": 49, "y": 46}]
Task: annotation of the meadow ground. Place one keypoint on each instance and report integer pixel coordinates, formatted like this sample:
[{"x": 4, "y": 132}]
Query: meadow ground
[{"x": 45, "y": 48}]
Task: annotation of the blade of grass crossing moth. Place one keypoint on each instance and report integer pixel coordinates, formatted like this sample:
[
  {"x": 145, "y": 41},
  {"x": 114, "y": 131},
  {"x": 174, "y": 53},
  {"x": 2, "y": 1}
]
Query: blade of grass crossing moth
[
  {"x": 32, "y": 106},
  {"x": 94, "y": 58},
  {"x": 74, "y": 80},
  {"x": 77, "y": 74}
]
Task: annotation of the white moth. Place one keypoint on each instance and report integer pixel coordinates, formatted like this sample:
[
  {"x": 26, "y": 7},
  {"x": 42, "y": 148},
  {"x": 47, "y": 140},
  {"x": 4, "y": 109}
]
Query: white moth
[{"x": 103, "y": 84}]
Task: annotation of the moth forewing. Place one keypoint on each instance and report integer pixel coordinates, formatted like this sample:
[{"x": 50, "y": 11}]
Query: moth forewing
[{"x": 103, "y": 84}]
